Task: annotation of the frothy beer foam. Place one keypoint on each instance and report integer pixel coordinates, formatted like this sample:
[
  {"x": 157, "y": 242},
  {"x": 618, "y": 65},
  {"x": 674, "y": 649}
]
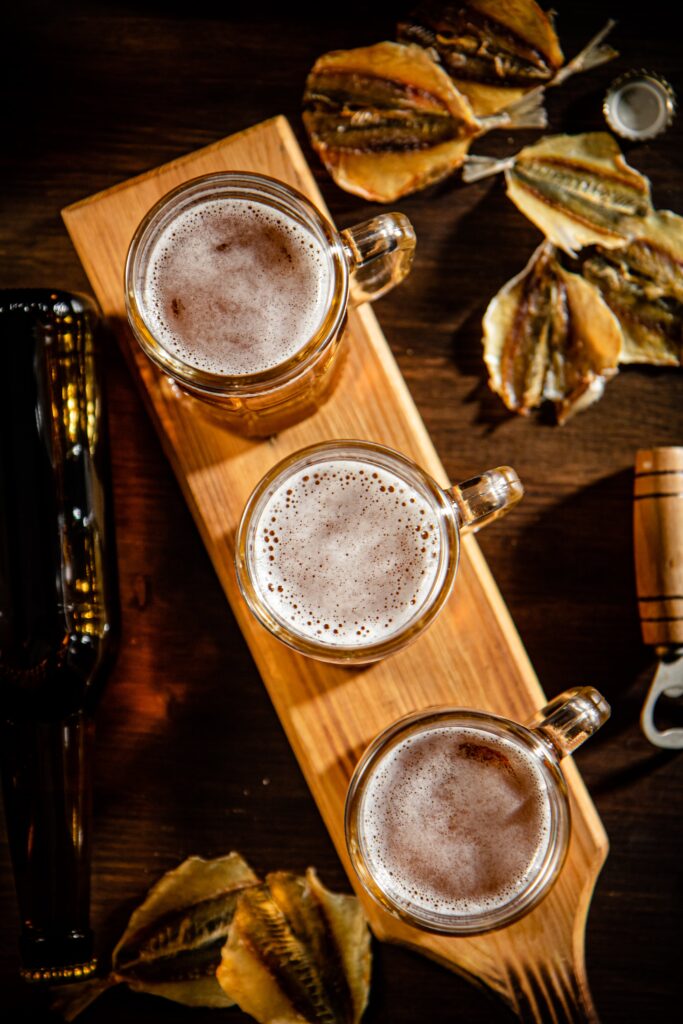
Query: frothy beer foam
[
  {"x": 455, "y": 821},
  {"x": 345, "y": 552},
  {"x": 235, "y": 287}
]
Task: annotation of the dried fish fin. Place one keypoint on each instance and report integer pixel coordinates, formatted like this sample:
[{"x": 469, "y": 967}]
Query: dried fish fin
[
  {"x": 643, "y": 285},
  {"x": 549, "y": 335},
  {"x": 289, "y": 951},
  {"x": 526, "y": 112},
  {"x": 594, "y": 53},
  {"x": 476, "y": 167}
]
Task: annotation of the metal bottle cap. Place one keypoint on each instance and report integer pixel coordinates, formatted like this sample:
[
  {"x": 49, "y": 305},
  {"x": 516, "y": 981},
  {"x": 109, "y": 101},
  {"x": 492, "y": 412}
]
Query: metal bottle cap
[{"x": 639, "y": 105}]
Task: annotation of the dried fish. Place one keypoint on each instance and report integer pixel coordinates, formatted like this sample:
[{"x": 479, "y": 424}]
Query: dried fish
[
  {"x": 173, "y": 941},
  {"x": 297, "y": 953},
  {"x": 642, "y": 283},
  {"x": 496, "y": 52},
  {"x": 386, "y": 120},
  {"x": 577, "y": 189},
  {"x": 493, "y": 51},
  {"x": 548, "y": 334}
]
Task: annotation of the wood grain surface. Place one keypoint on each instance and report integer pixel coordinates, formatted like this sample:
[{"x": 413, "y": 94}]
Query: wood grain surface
[
  {"x": 471, "y": 657},
  {"x": 110, "y": 91}
]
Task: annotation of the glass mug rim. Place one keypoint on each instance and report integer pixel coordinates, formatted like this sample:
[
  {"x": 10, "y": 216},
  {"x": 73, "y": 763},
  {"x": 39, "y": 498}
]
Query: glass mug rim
[
  {"x": 442, "y": 505},
  {"x": 478, "y": 922},
  {"x": 259, "y": 188}
]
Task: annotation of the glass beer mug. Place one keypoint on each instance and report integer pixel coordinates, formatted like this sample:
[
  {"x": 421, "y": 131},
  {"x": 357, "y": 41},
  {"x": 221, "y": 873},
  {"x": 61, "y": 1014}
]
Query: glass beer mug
[
  {"x": 457, "y": 821},
  {"x": 238, "y": 288},
  {"x": 348, "y": 550}
]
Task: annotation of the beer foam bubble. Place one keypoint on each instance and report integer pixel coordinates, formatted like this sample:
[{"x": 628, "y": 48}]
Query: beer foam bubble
[
  {"x": 235, "y": 287},
  {"x": 345, "y": 552},
  {"x": 455, "y": 821}
]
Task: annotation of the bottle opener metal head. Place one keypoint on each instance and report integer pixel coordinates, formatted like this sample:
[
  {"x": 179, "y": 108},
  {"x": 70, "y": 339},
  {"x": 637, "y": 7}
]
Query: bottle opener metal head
[{"x": 668, "y": 680}]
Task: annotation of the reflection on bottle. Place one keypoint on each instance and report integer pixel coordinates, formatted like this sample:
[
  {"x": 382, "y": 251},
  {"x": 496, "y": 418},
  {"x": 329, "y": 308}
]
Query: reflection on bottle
[{"x": 58, "y": 614}]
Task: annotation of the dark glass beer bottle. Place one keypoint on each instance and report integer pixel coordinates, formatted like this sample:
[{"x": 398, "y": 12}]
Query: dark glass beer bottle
[{"x": 58, "y": 614}]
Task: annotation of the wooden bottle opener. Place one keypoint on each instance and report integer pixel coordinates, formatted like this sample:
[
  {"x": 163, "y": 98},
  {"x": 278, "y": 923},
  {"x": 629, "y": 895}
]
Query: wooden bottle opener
[{"x": 658, "y": 547}]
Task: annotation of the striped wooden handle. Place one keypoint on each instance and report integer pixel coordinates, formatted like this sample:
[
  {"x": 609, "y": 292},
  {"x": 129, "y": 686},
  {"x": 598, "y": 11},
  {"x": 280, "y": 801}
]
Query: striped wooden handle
[{"x": 658, "y": 544}]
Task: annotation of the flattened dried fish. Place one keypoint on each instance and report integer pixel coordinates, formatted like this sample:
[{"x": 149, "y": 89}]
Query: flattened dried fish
[
  {"x": 386, "y": 120},
  {"x": 642, "y": 283},
  {"x": 493, "y": 51},
  {"x": 577, "y": 189},
  {"x": 173, "y": 941},
  {"x": 172, "y": 944},
  {"x": 496, "y": 52},
  {"x": 548, "y": 334},
  {"x": 297, "y": 953}
]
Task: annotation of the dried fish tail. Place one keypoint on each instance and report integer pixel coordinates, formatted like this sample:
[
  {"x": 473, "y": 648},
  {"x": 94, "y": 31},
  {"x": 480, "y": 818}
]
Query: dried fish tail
[
  {"x": 477, "y": 167},
  {"x": 526, "y": 112},
  {"x": 594, "y": 53}
]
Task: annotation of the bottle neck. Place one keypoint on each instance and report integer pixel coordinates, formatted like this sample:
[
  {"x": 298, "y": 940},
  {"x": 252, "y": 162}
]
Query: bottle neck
[{"x": 46, "y": 777}]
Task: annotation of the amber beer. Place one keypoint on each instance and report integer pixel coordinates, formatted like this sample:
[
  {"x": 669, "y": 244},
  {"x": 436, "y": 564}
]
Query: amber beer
[
  {"x": 346, "y": 552},
  {"x": 237, "y": 288},
  {"x": 455, "y": 821}
]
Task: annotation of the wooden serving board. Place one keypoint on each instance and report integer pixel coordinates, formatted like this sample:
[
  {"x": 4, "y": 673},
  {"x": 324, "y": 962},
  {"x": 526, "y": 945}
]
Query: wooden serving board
[{"x": 472, "y": 656}]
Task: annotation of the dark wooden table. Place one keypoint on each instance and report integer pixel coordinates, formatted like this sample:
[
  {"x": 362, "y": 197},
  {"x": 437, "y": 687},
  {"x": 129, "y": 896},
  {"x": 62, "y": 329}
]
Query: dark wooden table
[{"x": 191, "y": 757}]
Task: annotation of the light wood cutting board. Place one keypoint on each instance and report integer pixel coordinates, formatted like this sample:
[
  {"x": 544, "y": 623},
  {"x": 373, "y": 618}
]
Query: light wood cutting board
[{"x": 472, "y": 656}]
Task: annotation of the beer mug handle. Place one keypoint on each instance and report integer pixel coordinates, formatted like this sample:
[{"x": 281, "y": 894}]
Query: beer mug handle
[
  {"x": 570, "y": 719},
  {"x": 379, "y": 253},
  {"x": 484, "y": 498}
]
